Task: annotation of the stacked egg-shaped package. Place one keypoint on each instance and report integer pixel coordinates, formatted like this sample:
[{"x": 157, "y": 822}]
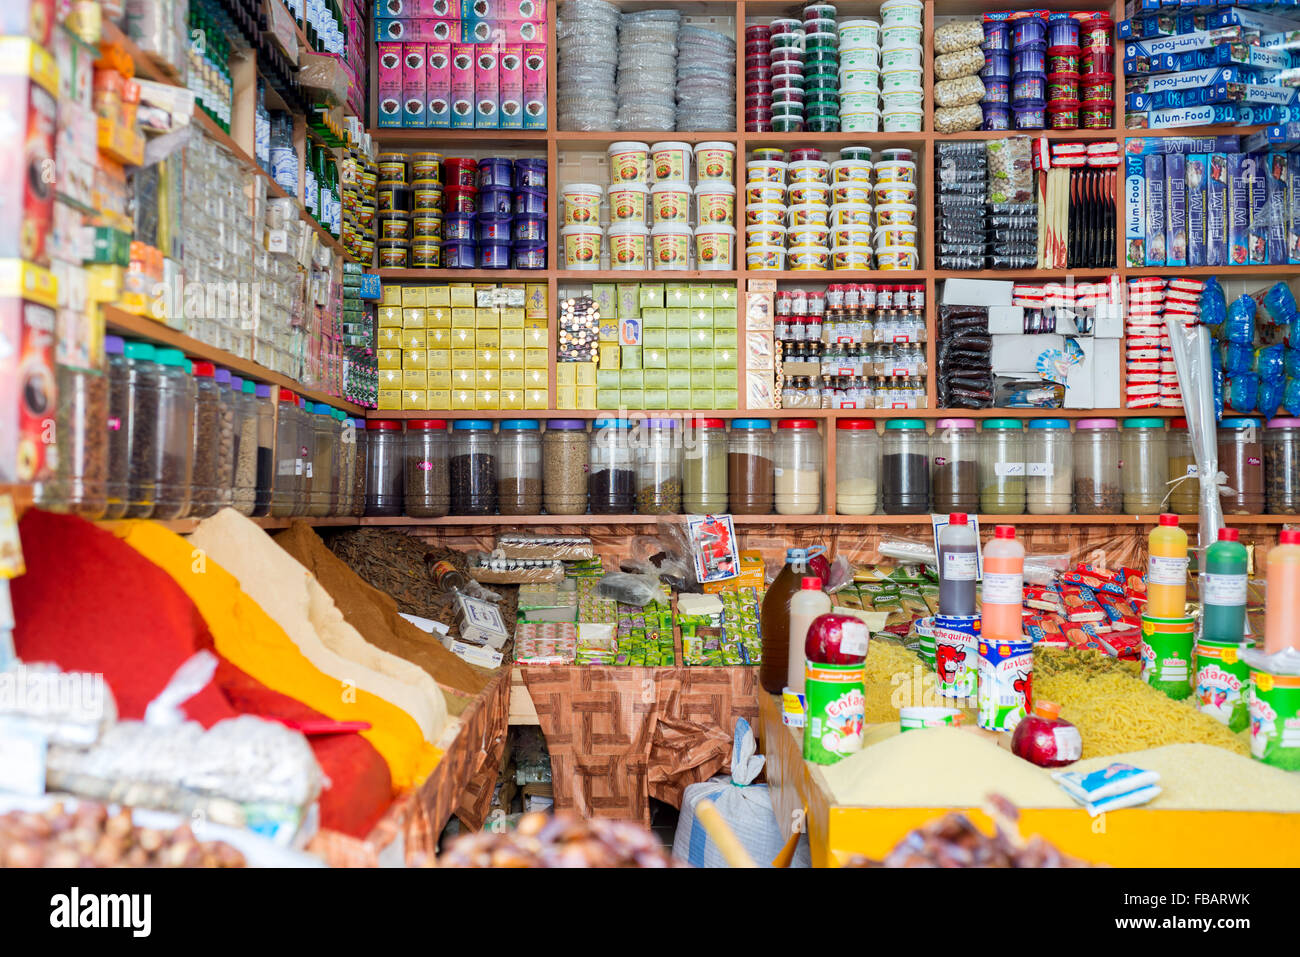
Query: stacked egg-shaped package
[
  {"x": 902, "y": 99},
  {"x": 958, "y": 89},
  {"x": 804, "y": 213},
  {"x": 649, "y": 200},
  {"x": 586, "y": 35},
  {"x": 647, "y": 70},
  {"x": 859, "y": 76}
]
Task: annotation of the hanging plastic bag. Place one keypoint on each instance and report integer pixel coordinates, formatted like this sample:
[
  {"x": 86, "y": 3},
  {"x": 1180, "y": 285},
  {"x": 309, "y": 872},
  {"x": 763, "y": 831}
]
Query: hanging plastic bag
[
  {"x": 1240, "y": 324},
  {"x": 1213, "y": 305},
  {"x": 1194, "y": 365}
]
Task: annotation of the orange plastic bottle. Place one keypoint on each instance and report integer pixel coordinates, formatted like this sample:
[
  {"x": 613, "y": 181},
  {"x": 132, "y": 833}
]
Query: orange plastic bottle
[
  {"x": 1282, "y": 608},
  {"x": 1002, "y": 593},
  {"x": 1167, "y": 570}
]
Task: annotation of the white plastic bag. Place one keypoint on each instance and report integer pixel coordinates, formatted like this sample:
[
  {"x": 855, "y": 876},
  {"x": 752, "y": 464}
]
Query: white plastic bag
[{"x": 745, "y": 806}]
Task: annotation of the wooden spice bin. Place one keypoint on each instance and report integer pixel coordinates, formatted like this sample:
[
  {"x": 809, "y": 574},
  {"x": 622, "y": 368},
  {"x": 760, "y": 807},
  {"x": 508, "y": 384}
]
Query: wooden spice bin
[{"x": 1134, "y": 837}]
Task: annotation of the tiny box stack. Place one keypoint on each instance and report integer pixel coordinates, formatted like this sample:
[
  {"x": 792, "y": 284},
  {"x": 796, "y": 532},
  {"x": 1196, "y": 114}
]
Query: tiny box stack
[
  {"x": 472, "y": 64},
  {"x": 464, "y": 347}
]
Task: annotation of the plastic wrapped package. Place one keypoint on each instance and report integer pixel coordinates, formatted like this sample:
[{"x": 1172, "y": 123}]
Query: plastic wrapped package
[
  {"x": 1011, "y": 173},
  {"x": 958, "y": 119},
  {"x": 568, "y": 548},
  {"x": 963, "y": 91},
  {"x": 960, "y": 63},
  {"x": 74, "y": 720},
  {"x": 498, "y": 570},
  {"x": 1191, "y": 348},
  {"x": 958, "y": 35}
]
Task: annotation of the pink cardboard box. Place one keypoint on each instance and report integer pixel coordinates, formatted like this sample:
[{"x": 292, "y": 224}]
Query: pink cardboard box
[
  {"x": 435, "y": 9},
  {"x": 437, "y": 84},
  {"x": 388, "y": 81},
  {"x": 413, "y": 84},
  {"x": 416, "y": 31},
  {"x": 487, "y": 94},
  {"x": 511, "y": 75},
  {"x": 462, "y": 86},
  {"x": 503, "y": 31},
  {"x": 503, "y": 9},
  {"x": 535, "y": 86}
]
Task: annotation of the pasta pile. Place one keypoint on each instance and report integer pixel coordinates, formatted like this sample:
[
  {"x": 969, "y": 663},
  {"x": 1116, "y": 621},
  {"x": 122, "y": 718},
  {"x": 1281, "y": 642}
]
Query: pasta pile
[
  {"x": 1116, "y": 712},
  {"x": 891, "y": 674}
]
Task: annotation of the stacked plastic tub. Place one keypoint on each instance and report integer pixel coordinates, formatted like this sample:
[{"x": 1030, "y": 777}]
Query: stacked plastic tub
[
  {"x": 997, "y": 72},
  {"x": 759, "y": 79},
  {"x": 1029, "y": 71},
  {"x": 1096, "y": 72},
  {"x": 789, "y": 82},
  {"x": 494, "y": 213},
  {"x": 859, "y": 76},
  {"x": 586, "y": 33},
  {"x": 902, "y": 98},
  {"x": 706, "y": 80},
  {"x": 647, "y": 70}
]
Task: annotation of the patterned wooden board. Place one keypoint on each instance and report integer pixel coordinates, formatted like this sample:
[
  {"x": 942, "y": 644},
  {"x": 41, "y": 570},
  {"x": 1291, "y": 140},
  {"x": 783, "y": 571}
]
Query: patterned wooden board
[{"x": 618, "y": 736}]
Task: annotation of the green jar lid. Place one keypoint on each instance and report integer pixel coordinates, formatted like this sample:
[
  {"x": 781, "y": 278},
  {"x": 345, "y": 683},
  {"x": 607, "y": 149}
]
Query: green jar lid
[
  {"x": 1145, "y": 424},
  {"x": 905, "y": 424},
  {"x": 1003, "y": 424},
  {"x": 249, "y": 387},
  {"x": 824, "y": 124},
  {"x": 787, "y": 124},
  {"x": 170, "y": 357},
  {"x": 144, "y": 351}
]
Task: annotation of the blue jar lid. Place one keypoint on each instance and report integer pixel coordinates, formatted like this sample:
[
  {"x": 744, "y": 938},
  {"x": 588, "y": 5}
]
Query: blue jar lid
[
  {"x": 471, "y": 425},
  {"x": 1049, "y": 423},
  {"x": 613, "y": 424},
  {"x": 525, "y": 424},
  {"x": 751, "y": 423}
]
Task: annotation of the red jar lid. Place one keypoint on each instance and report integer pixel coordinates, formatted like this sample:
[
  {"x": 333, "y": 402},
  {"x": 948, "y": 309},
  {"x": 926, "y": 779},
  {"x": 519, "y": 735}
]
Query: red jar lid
[
  {"x": 708, "y": 424},
  {"x": 421, "y": 424},
  {"x": 383, "y": 424},
  {"x": 796, "y": 424},
  {"x": 204, "y": 370},
  {"x": 863, "y": 424}
]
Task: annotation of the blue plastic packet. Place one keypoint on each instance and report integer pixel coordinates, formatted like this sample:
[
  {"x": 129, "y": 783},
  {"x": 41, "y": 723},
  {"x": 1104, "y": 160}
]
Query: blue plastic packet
[
  {"x": 1240, "y": 324},
  {"x": 1279, "y": 304},
  {"x": 1243, "y": 392},
  {"x": 1214, "y": 307},
  {"x": 1270, "y": 363},
  {"x": 1270, "y": 396},
  {"x": 1291, "y": 397},
  {"x": 1291, "y": 362},
  {"x": 1237, "y": 358},
  {"x": 1114, "y": 786}
]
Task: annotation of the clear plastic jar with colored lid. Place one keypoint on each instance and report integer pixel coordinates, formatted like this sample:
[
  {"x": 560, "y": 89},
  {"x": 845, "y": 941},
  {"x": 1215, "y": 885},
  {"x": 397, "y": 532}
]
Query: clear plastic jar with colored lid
[
  {"x": 243, "y": 488},
  {"x": 1241, "y": 460},
  {"x": 359, "y": 474},
  {"x": 799, "y": 466},
  {"x": 905, "y": 468},
  {"x": 78, "y": 461},
  {"x": 955, "y": 466},
  {"x": 171, "y": 456},
  {"x": 751, "y": 479},
  {"x": 265, "y": 400},
  {"x": 519, "y": 467},
  {"x": 473, "y": 468},
  {"x": 427, "y": 491},
  {"x": 1097, "y": 488},
  {"x": 1002, "y": 467},
  {"x": 1282, "y": 466},
  {"x": 658, "y": 467},
  {"x": 121, "y": 411},
  {"x": 1184, "y": 475},
  {"x": 210, "y": 474},
  {"x": 611, "y": 478},
  {"x": 704, "y": 467},
  {"x": 1144, "y": 466},
  {"x": 857, "y": 467},
  {"x": 565, "y": 451},
  {"x": 1049, "y": 467},
  {"x": 385, "y": 467}
]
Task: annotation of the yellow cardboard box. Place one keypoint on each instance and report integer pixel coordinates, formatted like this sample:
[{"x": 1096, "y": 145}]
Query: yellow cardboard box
[
  {"x": 751, "y": 575},
  {"x": 414, "y": 399},
  {"x": 414, "y": 296},
  {"x": 415, "y": 379}
]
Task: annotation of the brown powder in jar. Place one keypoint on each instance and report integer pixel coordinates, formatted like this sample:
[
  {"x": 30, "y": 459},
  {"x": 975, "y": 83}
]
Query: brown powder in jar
[{"x": 751, "y": 483}]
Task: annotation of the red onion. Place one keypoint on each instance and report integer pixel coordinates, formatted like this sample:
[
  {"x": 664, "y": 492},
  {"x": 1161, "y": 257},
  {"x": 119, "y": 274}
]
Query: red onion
[{"x": 1045, "y": 739}]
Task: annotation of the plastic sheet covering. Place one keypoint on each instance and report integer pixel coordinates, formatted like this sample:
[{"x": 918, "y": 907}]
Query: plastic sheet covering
[
  {"x": 1191, "y": 346},
  {"x": 68, "y": 707}
]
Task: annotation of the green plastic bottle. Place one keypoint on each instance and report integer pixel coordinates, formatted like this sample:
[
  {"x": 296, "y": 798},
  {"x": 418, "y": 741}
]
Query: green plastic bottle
[{"x": 1223, "y": 589}]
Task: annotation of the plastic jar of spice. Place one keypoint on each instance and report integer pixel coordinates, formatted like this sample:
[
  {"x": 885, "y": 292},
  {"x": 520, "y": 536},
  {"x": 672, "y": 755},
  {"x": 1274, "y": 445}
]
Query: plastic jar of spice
[
  {"x": 1282, "y": 466},
  {"x": 79, "y": 460},
  {"x": 120, "y": 411},
  {"x": 1241, "y": 459},
  {"x": 428, "y": 478},
  {"x": 1049, "y": 467},
  {"x": 857, "y": 467},
  {"x": 306, "y": 443},
  {"x": 1144, "y": 466},
  {"x": 955, "y": 468},
  {"x": 208, "y": 454},
  {"x": 359, "y": 474},
  {"x": 243, "y": 482},
  {"x": 172, "y": 452},
  {"x": 264, "y": 404},
  {"x": 565, "y": 448},
  {"x": 324, "y": 461},
  {"x": 799, "y": 463},
  {"x": 1002, "y": 467},
  {"x": 1097, "y": 489},
  {"x": 751, "y": 479},
  {"x": 473, "y": 468},
  {"x": 345, "y": 462},
  {"x": 905, "y": 468},
  {"x": 611, "y": 477},
  {"x": 658, "y": 467},
  {"x": 519, "y": 467},
  {"x": 1184, "y": 487},
  {"x": 384, "y": 467},
  {"x": 142, "y": 426},
  {"x": 704, "y": 468}
]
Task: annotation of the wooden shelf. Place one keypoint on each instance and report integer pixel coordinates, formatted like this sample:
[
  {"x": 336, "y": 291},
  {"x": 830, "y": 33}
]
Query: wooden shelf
[
  {"x": 461, "y": 275},
  {"x": 427, "y": 137},
  {"x": 183, "y": 526},
  {"x": 926, "y": 414},
  {"x": 128, "y": 324}
]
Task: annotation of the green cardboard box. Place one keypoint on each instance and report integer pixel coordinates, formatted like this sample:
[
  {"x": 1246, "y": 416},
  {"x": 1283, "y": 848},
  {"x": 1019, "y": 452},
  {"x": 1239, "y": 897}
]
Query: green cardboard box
[
  {"x": 701, "y": 318},
  {"x": 652, "y": 294},
  {"x": 724, "y": 358},
  {"x": 702, "y": 296},
  {"x": 702, "y": 338},
  {"x": 629, "y": 300},
  {"x": 608, "y": 379},
  {"x": 605, "y": 295},
  {"x": 630, "y": 379},
  {"x": 656, "y": 398},
  {"x": 679, "y": 318},
  {"x": 678, "y": 338},
  {"x": 655, "y": 379},
  {"x": 654, "y": 317},
  {"x": 702, "y": 399},
  {"x": 654, "y": 358},
  {"x": 702, "y": 359},
  {"x": 724, "y": 318},
  {"x": 608, "y": 331},
  {"x": 724, "y": 398},
  {"x": 677, "y": 295},
  {"x": 726, "y": 379},
  {"x": 633, "y": 398},
  {"x": 724, "y": 294},
  {"x": 679, "y": 379},
  {"x": 631, "y": 357},
  {"x": 701, "y": 379},
  {"x": 679, "y": 358},
  {"x": 725, "y": 339},
  {"x": 679, "y": 398},
  {"x": 607, "y": 398},
  {"x": 657, "y": 338}
]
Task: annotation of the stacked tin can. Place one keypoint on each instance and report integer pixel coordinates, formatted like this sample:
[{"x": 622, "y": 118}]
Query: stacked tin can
[
  {"x": 859, "y": 76},
  {"x": 1063, "y": 72},
  {"x": 1097, "y": 76},
  {"x": 997, "y": 73},
  {"x": 494, "y": 213},
  {"x": 901, "y": 95},
  {"x": 759, "y": 80},
  {"x": 409, "y": 210}
]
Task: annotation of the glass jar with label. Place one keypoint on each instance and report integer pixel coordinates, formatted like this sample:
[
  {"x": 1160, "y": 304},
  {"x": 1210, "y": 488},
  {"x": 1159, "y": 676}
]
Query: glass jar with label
[
  {"x": 428, "y": 485},
  {"x": 1241, "y": 459},
  {"x": 704, "y": 467},
  {"x": 750, "y": 462},
  {"x": 954, "y": 472},
  {"x": 519, "y": 467},
  {"x": 1097, "y": 489},
  {"x": 384, "y": 467},
  {"x": 799, "y": 464},
  {"x": 1144, "y": 466},
  {"x": 611, "y": 479},
  {"x": 857, "y": 467},
  {"x": 658, "y": 468},
  {"x": 1184, "y": 488},
  {"x": 1049, "y": 467},
  {"x": 1282, "y": 466},
  {"x": 905, "y": 468},
  {"x": 1002, "y": 467}
]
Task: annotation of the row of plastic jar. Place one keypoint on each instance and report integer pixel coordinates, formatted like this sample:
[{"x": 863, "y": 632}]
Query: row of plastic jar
[
  {"x": 650, "y": 466},
  {"x": 158, "y": 436},
  {"x": 1010, "y": 467}
]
